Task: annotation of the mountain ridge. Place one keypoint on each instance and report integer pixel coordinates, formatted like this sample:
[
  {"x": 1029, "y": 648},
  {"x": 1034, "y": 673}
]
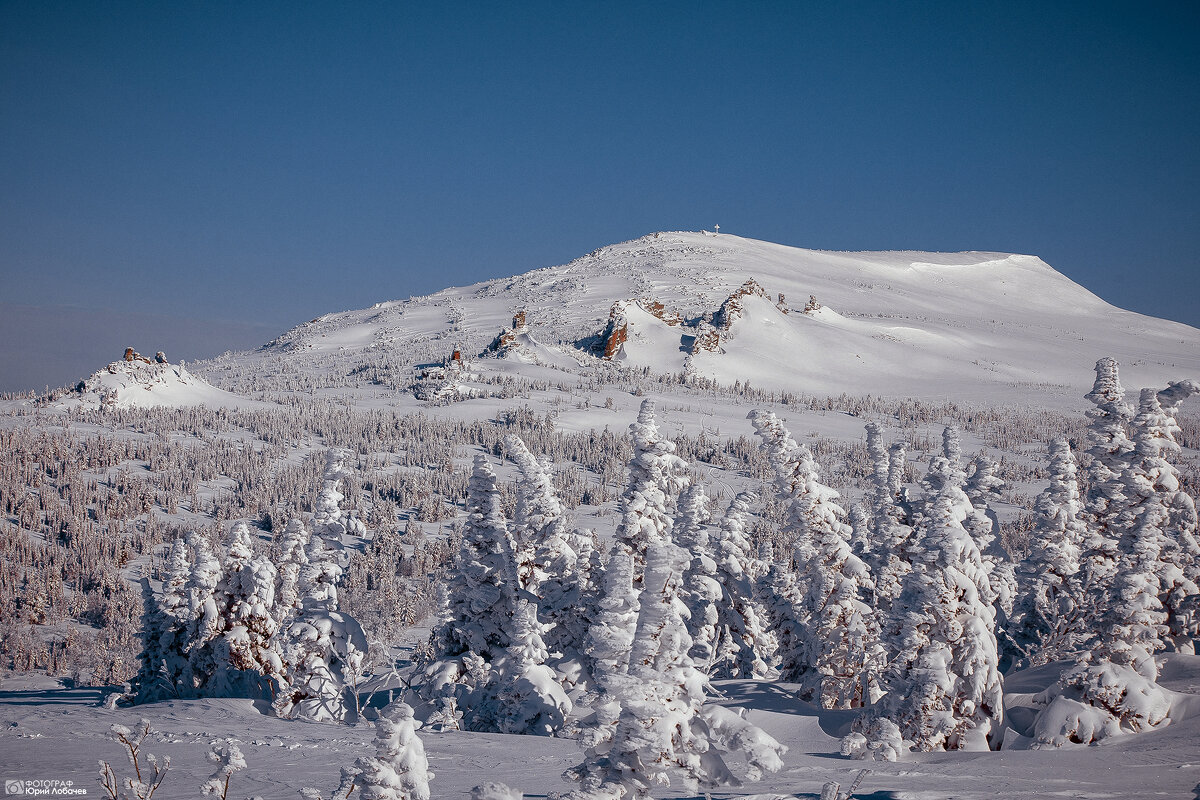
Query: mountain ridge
[{"x": 972, "y": 324}]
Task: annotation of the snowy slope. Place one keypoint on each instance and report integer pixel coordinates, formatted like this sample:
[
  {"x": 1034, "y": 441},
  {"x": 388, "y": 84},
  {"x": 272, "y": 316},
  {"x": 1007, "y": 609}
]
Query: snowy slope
[
  {"x": 139, "y": 384},
  {"x": 973, "y": 326}
]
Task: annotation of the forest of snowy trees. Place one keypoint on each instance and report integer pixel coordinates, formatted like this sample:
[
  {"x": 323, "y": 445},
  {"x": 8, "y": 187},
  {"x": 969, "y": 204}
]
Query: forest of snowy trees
[{"x": 907, "y": 605}]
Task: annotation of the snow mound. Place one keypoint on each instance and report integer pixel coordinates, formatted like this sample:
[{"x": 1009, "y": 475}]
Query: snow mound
[{"x": 142, "y": 384}]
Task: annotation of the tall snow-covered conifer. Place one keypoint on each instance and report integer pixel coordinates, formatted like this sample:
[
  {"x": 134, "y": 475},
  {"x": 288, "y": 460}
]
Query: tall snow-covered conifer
[
  {"x": 656, "y": 477},
  {"x": 944, "y": 690},
  {"x": 1048, "y": 620},
  {"x": 745, "y": 646},
  {"x": 479, "y": 610}
]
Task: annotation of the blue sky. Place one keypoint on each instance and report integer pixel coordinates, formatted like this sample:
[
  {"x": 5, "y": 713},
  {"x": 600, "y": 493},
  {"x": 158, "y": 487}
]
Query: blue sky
[{"x": 213, "y": 173}]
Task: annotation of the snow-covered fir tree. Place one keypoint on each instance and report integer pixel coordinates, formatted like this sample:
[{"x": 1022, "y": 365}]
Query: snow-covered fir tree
[
  {"x": 399, "y": 770},
  {"x": 842, "y": 653},
  {"x": 745, "y": 646},
  {"x": 1108, "y": 451},
  {"x": 525, "y": 695},
  {"x": 1048, "y": 621},
  {"x": 1153, "y": 470},
  {"x": 329, "y": 520},
  {"x": 482, "y": 590},
  {"x": 291, "y": 559},
  {"x": 700, "y": 592},
  {"x": 656, "y": 478},
  {"x": 984, "y": 487},
  {"x": 548, "y": 555},
  {"x": 323, "y": 649},
  {"x": 248, "y": 650},
  {"x": 164, "y": 671},
  {"x": 944, "y": 690},
  {"x": 203, "y": 616},
  {"x": 662, "y": 732},
  {"x": 1113, "y": 687},
  {"x": 889, "y": 532},
  {"x": 611, "y": 633}
]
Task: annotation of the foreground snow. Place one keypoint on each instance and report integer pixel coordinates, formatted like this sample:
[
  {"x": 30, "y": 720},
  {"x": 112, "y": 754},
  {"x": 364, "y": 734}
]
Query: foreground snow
[{"x": 51, "y": 732}]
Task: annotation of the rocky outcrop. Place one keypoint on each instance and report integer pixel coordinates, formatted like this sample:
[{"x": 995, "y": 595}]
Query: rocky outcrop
[
  {"x": 132, "y": 355},
  {"x": 507, "y": 339},
  {"x": 709, "y": 337},
  {"x": 731, "y": 310},
  {"x": 615, "y": 333}
]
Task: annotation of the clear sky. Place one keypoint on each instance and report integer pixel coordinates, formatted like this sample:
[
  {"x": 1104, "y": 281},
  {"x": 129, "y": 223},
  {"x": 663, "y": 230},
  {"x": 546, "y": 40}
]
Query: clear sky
[{"x": 210, "y": 174}]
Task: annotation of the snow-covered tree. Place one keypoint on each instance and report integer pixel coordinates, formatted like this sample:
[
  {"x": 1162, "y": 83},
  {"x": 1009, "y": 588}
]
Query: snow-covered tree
[
  {"x": 888, "y": 557},
  {"x": 164, "y": 669},
  {"x": 525, "y": 693},
  {"x": 399, "y": 769},
  {"x": 656, "y": 477},
  {"x": 611, "y": 633},
  {"x": 842, "y": 648},
  {"x": 944, "y": 690},
  {"x": 700, "y": 592},
  {"x": 782, "y": 597},
  {"x": 745, "y": 646},
  {"x": 1113, "y": 687},
  {"x": 662, "y": 732},
  {"x": 1109, "y": 449},
  {"x": 489, "y": 651},
  {"x": 548, "y": 561},
  {"x": 323, "y": 649},
  {"x": 203, "y": 616},
  {"x": 292, "y": 558},
  {"x": 329, "y": 520},
  {"x": 1048, "y": 621},
  {"x": 1155, "y": 448},
  {"x": 245, "y": 599}
]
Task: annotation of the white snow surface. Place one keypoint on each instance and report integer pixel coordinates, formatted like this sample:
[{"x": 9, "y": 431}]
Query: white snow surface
[
  {"x": 283, "y": 756},
  {"x": 973, "y": 326}
]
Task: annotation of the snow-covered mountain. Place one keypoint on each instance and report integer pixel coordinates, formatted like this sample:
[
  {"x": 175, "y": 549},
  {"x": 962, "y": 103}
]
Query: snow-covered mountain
[{"x": 982, "y": 327}]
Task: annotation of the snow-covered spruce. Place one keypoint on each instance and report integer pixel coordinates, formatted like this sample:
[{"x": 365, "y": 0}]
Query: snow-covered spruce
[
  {"x": 399, "y": 769},
  {"x": 291, "y": 559},
  {"x": 745, "y": 646},
  {"x": 203, "y": 617},
  {"x": 248, "y": 651},
  {"x": 842, "y": 654},
  {"x": 323, "y": 649},
  {"x": 553, "y": 561},
  {"x": 1108, "y": 452},
  {"x": 524, "y": 695},
  {"x": 656, "y": 477},
  {"x": 474, "y": 631},
  {"x": 164, "y": 671},
  {"x": 1113, "y": 687},
  {"x": 887, "y": 526},
  {"x": 1155, "y": 448},
  {"x": 944, "y": 690},
  {"x": 1048, "y": 621},
  {"x": 983, "y": 487},
  {"x": 663, "y": 731},
  {"x": 700, "y": 592}
]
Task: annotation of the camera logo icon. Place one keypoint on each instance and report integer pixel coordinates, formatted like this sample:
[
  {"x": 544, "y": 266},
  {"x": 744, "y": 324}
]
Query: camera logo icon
[{"x": 14, "y": 787}]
